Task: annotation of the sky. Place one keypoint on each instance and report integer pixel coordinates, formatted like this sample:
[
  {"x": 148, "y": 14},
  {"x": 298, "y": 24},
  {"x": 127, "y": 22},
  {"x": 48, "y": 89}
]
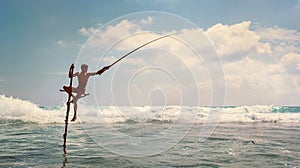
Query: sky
[{"x": 227, "y": 53}]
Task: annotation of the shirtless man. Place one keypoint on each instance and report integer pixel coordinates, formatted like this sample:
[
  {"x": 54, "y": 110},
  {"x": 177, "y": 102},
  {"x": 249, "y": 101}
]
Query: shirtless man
[{"x": 83, "y": 78}]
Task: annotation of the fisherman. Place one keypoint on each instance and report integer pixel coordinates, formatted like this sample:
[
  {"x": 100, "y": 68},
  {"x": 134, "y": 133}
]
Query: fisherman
[{"x": 83, "y": 78}]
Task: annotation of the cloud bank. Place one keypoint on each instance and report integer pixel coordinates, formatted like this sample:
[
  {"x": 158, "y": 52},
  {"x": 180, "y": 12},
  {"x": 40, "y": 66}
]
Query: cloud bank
[{"x": 261, "y": 64}]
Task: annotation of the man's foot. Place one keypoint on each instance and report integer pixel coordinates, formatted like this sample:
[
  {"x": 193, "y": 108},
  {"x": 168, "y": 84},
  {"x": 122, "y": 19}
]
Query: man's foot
[
  {"x": 68, "y": 89},
  {"x": 74, "y": 118}
]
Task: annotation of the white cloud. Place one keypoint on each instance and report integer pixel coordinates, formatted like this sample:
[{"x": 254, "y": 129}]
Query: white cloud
[
  {"x": 277, "y": 33},
  {"x": 250, "y": 80},
  {"x": 291, "y": 62},
  {"x": 111, "y": 34},
  {"x": 147, "y": 21},
  {"x": 87, "y": 31},
  {"x": 61, "y": 44},
  {"x": 65, "y": 44},
  {"x": 283, "y": 40},
  {"x": 250, "y": 77},
  {"x": 263, "y": 48},
  {"x": 230, "y": 40},
  {"x": 84, "y": 31}
]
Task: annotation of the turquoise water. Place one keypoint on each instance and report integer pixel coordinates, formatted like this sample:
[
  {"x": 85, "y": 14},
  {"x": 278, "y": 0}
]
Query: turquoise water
[
  {"x": 286, "y": 109},
  {"x": 40, "y": 145}
]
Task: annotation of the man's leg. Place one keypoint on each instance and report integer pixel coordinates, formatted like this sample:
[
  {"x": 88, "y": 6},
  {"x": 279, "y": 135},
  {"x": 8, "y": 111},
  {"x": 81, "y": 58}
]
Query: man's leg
[{"x": 75, "y": 107}]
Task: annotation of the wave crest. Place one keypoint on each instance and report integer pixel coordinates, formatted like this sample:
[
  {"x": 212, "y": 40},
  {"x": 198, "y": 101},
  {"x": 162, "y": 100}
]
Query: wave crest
[
  {"x": 26, "y": 111},
  {"x": 17, "y": 109}
]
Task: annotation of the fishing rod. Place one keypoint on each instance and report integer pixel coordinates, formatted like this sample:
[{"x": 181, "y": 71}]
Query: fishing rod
[{"x": 161, "y": 37}]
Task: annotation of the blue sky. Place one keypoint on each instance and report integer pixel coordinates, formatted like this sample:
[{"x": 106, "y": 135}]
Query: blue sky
[{"x": 40, "y": 39}]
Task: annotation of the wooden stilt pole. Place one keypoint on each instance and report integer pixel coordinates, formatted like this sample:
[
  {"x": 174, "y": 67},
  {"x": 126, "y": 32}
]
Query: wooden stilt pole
[{"x": 68, "y": 107}]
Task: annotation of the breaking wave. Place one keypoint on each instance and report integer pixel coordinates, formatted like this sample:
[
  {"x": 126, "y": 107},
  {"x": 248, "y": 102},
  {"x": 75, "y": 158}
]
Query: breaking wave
[{"x": 17, "y": 110}]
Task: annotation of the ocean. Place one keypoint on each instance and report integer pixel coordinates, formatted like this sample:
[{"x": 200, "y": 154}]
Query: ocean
[{"x": 149, "y": 136}]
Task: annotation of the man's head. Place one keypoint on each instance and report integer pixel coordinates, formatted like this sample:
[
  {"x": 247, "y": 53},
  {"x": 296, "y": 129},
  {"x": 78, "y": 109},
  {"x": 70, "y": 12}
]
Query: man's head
[{"x": 84, "y": 67}]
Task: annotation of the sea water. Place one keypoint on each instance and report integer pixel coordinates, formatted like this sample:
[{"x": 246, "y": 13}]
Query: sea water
[{"x": 171, "y": 136}]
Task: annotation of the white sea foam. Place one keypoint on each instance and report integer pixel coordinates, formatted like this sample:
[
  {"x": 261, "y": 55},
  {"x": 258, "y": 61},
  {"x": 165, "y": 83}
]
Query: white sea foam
[{"x": 17, "y": 109}]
